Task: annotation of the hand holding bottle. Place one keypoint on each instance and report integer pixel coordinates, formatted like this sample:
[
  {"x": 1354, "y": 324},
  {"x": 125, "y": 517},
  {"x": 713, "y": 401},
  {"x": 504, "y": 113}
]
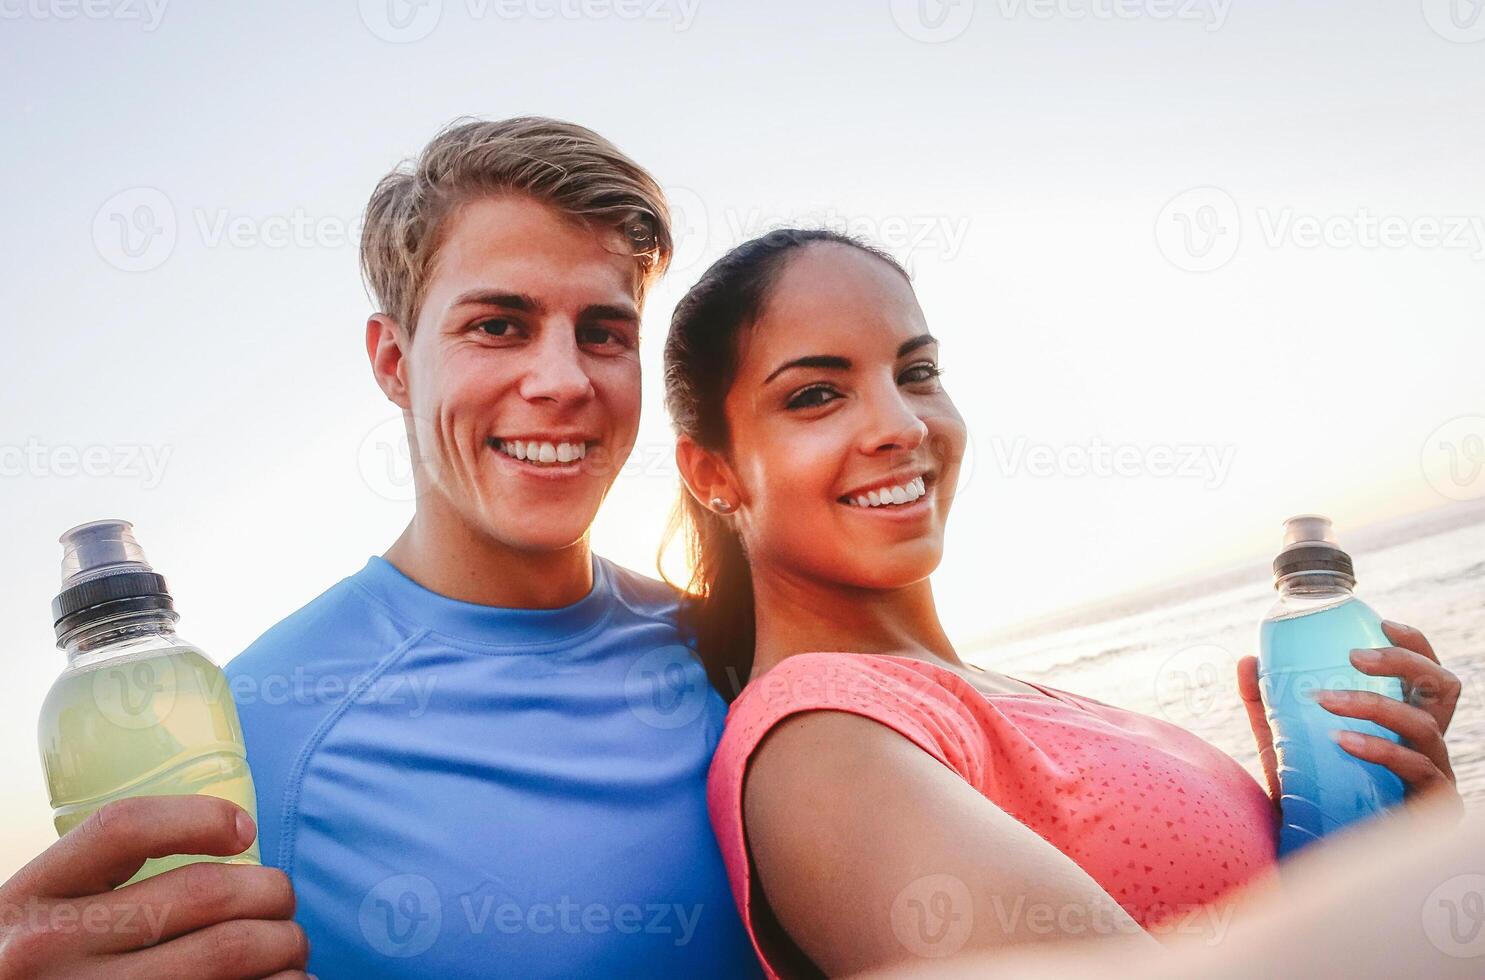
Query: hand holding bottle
[
  {"x": 1430, "y": 690},
  {"x": 64, "y": 916}
]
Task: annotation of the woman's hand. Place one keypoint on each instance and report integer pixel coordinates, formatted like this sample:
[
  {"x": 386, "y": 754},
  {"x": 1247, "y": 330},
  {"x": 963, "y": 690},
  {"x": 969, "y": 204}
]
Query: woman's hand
[{"x": 1430, "y": 693}]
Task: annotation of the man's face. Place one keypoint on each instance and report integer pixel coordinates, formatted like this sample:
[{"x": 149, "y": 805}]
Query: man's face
[{"x": 523, "y": 376}]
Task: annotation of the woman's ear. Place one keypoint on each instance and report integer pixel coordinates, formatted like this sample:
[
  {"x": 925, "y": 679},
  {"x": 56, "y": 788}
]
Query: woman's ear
[{"x": 706, "y": 475}]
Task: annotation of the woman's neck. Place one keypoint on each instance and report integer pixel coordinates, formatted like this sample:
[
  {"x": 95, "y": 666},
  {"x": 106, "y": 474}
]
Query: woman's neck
[{"x": 799, "y": 615}]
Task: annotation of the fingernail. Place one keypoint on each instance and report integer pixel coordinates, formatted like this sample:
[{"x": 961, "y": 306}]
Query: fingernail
[
  {"x": 246, "y": 829},
  {"x": 1346, "y": 740},
  {"x": 1366, "y": 656},
  {"x": 1396, "y": 626}
]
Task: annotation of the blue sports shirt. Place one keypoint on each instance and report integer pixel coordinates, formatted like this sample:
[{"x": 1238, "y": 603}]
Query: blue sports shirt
[{"x": 458, "y": 790}]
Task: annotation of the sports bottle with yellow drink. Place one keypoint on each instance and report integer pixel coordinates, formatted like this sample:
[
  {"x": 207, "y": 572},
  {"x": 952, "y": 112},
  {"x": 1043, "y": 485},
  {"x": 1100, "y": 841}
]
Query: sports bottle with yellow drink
[{"x": 137, "y": 711}]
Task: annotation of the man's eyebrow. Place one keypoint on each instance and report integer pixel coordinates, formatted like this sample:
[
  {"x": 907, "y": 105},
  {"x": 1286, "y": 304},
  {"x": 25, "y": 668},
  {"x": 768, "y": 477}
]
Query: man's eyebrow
[
  {"x": 813, "y": 360},
  {"x": 608, "y": 311},
  {"x": 499, "y": 297},
  {"x": 837, "y": 363}
]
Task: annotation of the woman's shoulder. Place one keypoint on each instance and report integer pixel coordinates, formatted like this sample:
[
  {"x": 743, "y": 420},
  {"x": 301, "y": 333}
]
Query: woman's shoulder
[{"x": 908, "y": 696}]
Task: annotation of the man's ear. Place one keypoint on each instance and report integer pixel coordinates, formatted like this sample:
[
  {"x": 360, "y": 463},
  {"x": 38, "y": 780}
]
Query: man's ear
[
  {"x": 706, "y": 474},
  {"x": 386, "y": 346}
]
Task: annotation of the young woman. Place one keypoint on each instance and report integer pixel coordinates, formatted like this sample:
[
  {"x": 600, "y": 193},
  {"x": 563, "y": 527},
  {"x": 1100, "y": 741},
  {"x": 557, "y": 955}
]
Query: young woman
[{"x": 875, "y": 797}]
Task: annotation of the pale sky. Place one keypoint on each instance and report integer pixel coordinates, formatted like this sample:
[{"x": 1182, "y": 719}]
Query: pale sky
[{"x": 1239, "y": 248}]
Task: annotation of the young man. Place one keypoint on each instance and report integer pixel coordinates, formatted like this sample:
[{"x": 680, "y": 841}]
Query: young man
[{"x": 485, "y": 752}]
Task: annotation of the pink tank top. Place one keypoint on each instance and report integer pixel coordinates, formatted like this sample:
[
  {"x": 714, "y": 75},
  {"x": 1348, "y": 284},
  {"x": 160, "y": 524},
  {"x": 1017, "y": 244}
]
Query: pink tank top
[{"x": 1163, "y": 821}]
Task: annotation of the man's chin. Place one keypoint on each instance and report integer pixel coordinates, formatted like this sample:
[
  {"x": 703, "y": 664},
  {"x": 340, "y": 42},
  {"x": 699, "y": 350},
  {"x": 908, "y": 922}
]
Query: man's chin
[{"x": 538, "y": 532}]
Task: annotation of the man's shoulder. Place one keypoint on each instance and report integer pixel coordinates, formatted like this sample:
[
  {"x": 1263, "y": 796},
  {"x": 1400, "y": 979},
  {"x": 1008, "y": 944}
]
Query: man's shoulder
[{"x": 642, "y": 595}]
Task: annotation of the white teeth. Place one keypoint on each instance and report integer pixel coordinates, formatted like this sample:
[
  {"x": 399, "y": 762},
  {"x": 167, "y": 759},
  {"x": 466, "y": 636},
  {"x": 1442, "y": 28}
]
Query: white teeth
[
  {"x": 890, "y": 496},
  {"x": 544, "y": 452}
]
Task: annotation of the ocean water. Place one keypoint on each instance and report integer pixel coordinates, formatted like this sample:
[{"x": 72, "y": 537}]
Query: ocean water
[{"x": 1172, "y": 653}]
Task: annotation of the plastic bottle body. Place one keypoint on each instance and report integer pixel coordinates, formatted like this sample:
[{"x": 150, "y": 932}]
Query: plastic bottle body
[
  {"x": 143, "y": 714},
  {"x": 1304, "y": 646}
]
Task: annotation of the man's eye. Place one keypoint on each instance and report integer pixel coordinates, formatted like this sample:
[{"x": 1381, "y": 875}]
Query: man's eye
[
  {"x": 812, "y": 397},
  {"x": 599, "y": 336},
  {"x": 497, "y": 327}
]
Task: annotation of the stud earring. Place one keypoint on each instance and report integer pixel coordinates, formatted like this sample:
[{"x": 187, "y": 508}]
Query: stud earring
[{"x": 721, "y": 505}]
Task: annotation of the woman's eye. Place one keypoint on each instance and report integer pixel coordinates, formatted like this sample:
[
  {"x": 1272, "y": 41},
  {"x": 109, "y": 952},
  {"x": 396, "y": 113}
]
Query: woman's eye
[
  {"x": 812, "y": 397},
  {"x": 919, "y": 373}
]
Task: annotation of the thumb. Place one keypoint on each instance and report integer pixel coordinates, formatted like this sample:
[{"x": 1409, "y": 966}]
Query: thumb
[
  {"x": 1263, "y": 736},
  {"x": 109, "y": 847}
]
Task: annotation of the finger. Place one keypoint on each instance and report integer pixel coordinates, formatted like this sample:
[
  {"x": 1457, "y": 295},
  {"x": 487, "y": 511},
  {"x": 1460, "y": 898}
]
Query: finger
[
  {"x": 233, "y": 950},
  {"x": 107, "y": 848},
  {"x": 1415, "y": 725},
  {"x": 1432, "y": 687},
  {"x": 1415, "y": 769},
  {"x": 1248, "y": 690},
  {"x": 1409, "y": 638},
  {"x": 185, "y": 899}
]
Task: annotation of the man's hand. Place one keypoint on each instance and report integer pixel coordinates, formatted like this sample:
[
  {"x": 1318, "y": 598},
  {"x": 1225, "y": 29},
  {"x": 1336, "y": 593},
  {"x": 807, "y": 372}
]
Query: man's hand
[{"x": 60, "y": 915}]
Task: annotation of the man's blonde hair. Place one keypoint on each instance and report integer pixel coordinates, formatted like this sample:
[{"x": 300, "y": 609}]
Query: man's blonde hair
[{"x": 564, "y": 165}]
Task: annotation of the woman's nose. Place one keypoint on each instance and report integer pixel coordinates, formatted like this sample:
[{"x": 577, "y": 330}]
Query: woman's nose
[{"x": 894, "y": 428}]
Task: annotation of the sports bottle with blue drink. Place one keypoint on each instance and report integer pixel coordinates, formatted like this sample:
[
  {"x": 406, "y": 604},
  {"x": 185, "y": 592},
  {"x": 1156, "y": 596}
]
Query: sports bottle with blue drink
[
  {"x": 1305, "y": 645},
  {"x": 137, "y": 711}
]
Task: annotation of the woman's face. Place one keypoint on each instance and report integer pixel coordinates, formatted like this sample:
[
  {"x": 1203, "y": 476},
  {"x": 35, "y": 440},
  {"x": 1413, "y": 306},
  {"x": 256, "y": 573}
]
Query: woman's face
[{"x": 845, "y": 446}]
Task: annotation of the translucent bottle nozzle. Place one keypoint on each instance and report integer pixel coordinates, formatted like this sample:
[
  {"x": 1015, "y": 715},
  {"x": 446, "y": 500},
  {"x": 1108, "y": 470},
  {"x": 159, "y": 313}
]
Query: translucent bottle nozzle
[
  {"x": 100, "y": 548},
  {"x": 1308, "y": 529}
]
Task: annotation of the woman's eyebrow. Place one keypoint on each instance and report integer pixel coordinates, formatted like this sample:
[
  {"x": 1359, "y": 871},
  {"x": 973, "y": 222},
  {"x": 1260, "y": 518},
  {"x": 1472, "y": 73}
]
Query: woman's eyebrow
[
  {"x": 908, "y": 346},
  {"x": 837, "y": 363},
  {"x": 814, "y": 361}
]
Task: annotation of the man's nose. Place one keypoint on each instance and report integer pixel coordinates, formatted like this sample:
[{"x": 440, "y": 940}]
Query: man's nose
[{"x": 556, "y": 372}]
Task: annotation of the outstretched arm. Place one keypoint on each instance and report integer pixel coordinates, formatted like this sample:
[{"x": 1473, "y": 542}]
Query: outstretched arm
[{"x": 871, "y": 852}]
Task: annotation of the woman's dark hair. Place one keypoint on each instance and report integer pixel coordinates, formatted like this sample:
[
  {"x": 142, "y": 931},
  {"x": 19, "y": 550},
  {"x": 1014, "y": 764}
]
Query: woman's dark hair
[{"x": 702, "y": 353}]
